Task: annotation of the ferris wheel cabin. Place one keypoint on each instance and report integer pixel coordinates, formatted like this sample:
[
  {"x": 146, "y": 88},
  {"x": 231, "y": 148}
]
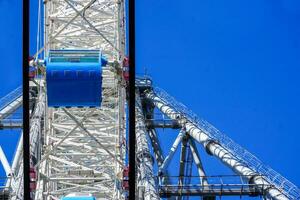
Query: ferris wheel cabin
[{"x": 74, "y": 78}]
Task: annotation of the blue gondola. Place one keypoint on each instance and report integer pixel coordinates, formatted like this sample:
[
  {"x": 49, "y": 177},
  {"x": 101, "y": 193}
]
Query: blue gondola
[{"x": 74, "y": 78}]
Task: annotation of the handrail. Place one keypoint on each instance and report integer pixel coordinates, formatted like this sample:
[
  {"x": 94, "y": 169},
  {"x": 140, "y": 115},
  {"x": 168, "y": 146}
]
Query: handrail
[
  {"x": 6, "y": 100},
  {"x": 237, "y": 151}
]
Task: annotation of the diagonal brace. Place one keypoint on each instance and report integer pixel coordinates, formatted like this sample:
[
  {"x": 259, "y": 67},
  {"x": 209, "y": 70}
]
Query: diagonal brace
[
  {"x": 64, "y": 27},
  {"x": 197, "y": 160},
  {"x": 172, "y": 151},
  {"x": 64, "y": 138},
  {"x": 92, "y": 26},
  {"x": 91, "y": 135}
]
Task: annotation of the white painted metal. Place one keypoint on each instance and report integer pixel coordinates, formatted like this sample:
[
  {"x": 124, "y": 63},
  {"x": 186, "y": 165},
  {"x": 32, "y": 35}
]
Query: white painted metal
[
  {"x": 10, "y": 108},
  {"x": 10, "y": 103},
  {"x": 18, "y": 155},
  {"x": 85, "y": 157},
  {"x": 86, "y": 24},
  {"x": 36, "y": 126},
  {"x": 147, "y": 187},
  {"x": 273, "y": 177},
  {"x": 197, "y": 160},
  {"x": 11, "y": 124},
  {"x": 214, "y": 148},
  {"x": 157, "y": 151},
  {"x": 5, "y": 163},
  {"x": 16, "y": 182},
  {"x": 172, "y": 151},
  {"x": 83, "y": 148}
]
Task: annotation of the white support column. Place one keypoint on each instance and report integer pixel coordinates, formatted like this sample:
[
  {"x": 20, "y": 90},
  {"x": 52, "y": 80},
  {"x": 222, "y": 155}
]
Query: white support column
[
  {"x": 198, "y": 162},
  {"x": 156, "y": 147},
  {"x": 158, "y": 154},
  {"x": 77, "y": 142},
  {"x": 146, "y": 176},
  {"x": 182, "y": 164},
  {"x": 18, "y": 155},
  {"x": 214, "y": 148},
  {"x": 35, "y": 131},
  {"x": 5, "y": 163},
  {"x": 17, "y": 166},
  {"x": 172, "y": 151},
  {"x": 35, "y": 124}
]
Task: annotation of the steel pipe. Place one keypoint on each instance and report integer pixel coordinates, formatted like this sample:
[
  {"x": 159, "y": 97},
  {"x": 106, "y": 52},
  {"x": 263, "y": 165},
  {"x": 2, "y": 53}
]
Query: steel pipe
[
  {"x": 214, "y": 148},
  {"x": 172, "y": 152},
  {"x": 145, "y": 163}
]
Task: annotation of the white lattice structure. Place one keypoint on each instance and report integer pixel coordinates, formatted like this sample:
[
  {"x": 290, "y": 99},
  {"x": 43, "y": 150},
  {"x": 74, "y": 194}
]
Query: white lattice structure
[
  {"x": 86, "y": 24},
  {"x": 83, "y": 148},
  {"x": 251, "y": 177}
]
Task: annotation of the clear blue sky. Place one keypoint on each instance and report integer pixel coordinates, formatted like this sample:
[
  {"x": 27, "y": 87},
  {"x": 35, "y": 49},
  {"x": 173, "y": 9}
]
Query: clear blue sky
[
  {"x": 234, "y": 63},
  {"x": 10, "y": 63},
  {"x": 11, "y": 60}
]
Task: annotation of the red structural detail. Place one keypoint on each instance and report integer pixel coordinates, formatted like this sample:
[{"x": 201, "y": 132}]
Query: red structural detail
[
  {"x": 32, "y": 186},
  {"x": 126, "y": 172},
  {"x": 32, "y": 70},
  {"x": 32, "y": 175},
  {"x": 126, "y": 69},
  {"x": 125, "y": 185},
  {"x": 126, "y": 178},
  {"x": 30, "y": 58}
]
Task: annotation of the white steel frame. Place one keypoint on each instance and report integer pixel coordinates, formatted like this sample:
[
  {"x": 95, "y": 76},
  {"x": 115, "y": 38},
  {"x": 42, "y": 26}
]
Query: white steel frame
[
  {"x": 84, "y": 148},
  {"x": 214, "y": 146}
]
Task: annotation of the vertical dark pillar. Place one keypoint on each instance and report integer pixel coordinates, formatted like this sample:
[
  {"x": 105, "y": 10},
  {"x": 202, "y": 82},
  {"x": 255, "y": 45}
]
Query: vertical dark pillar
[
  {"x": 25, "y": 55},
  {"x": 132, "y": 137}
]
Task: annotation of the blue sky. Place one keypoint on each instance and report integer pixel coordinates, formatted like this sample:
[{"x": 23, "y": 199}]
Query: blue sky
[
  {"x": 11, "y": 60},
  {"x": 234, "y": 63},
  {"x": 10, "y": 64}
]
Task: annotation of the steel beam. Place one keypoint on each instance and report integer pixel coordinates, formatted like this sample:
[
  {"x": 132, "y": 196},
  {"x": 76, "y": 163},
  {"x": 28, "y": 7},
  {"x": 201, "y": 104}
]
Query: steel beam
[
  {"x": 156, "y": 147},
  {"x": 78, "y": 143},
  {"x": 198, "y": 162},
  {"x": 214, "y": 148},
  {"x": 172, "y": 151},
  {"x": 152, "y": 123},
  {"x": 167, "y": 191},
  {"x": 145, "y": 173},
  {"x": 10, "y": 103},
  {"x": 5, "y": 163},
  {"x": 11, "y": 107},
  {"x": 182, "y": 163},
  {"x": 11, "y": 124}
]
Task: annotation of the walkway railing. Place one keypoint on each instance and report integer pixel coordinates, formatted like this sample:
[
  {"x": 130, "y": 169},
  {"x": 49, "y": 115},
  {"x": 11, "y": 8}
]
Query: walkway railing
[
  {"x": 237, "y": 151},
  {"x": 231, "y": 185},
  {"x": 6, "y": 100}
]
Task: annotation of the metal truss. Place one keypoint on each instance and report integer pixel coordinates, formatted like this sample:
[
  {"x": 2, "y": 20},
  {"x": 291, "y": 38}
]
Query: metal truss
[
  {"x": 232, "y": 185},
  {"x": 86, "y": 24},
  {"x": 218, "y": 144},
  {"x": 83, "y": 149},
  {"x": 147, "y": 186},
  {"x": 11, "y": 124},
  {"x": 15, "y": 179},
  {"x": 255, "y": 180},
  {"x": 9, "y": 105}
]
